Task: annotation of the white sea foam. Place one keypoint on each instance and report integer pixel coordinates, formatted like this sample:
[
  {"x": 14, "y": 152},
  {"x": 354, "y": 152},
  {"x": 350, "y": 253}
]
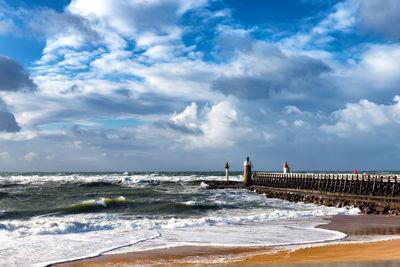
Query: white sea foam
[
  {"x": 123, "y": 179},
  {"x": 85, "y": 235},
  {"x": 203, "y": 185}
]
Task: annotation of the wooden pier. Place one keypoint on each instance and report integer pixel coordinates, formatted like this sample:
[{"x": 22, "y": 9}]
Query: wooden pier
[{"x": 372, "y": 185}]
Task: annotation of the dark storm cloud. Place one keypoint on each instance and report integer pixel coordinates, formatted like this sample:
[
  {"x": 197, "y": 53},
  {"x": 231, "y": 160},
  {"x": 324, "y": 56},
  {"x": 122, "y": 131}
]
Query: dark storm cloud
[
  {"x": 73, "y": 89},
  {"x": 13, "y": 77},
  {"x": 380, "y": 17},
  {"x": 124, "y": 105},
  {"x": 8, "y": 123},
  {"x": 245, "y": 86},
  {"x": 7, "y": 120},
  {"x": 272, "y": 71},
  {"x": 179, "y": 128}
]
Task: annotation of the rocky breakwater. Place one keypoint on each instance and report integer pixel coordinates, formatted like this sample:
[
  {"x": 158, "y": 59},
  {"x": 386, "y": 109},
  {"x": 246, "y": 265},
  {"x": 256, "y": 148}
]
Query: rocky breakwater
[
  {"x": 223, "y": 184},
  {"x": 366, "y": 206}
]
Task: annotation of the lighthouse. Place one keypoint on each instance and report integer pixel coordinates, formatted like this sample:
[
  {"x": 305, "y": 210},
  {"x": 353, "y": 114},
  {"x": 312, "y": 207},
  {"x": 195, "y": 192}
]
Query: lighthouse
[
  {"x": 227, "y": 172},
  {"x": 286, "y": 168},
  {"x": 247, "y": 172}
]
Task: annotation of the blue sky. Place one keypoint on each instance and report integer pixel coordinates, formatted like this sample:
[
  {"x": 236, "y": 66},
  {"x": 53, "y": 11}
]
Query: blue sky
[{"x": 190, "y": 84}]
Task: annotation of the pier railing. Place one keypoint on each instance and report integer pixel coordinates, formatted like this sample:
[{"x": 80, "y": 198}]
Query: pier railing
[{"x": 354, "y": 184}]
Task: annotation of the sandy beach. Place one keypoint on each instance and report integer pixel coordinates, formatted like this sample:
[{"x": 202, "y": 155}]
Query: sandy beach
[{"x": 355, "y": 248}]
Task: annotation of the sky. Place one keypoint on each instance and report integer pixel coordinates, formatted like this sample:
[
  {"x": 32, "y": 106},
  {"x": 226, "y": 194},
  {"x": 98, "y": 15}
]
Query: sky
[{"x": 187, "y": 85}]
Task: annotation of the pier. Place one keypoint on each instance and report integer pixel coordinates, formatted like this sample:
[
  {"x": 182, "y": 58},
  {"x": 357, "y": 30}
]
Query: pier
[{"x": 371, "y": 193}]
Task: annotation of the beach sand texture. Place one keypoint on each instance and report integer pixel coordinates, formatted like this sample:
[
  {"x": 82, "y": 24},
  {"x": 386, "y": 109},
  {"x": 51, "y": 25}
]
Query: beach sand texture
[{"x": 382, "y": 253}]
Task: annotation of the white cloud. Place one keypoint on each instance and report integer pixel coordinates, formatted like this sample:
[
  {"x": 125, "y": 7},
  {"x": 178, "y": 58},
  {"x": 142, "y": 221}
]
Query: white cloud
[
  {"x": 282, "y": 123},
  {"x": 29, "y": 135},
  {"x": 213, "y": 126},
  {"x": 292, "y": 109},
  {"x": 30, "y": 156},
  {"x": 342, "y": 18},
  {"x": 5, "y": 155},
  {"x": 187, "y": 118},
  {"x": 364, "y": 116},
  {"x": 268, "y": 136},
  {"x": 218, "y": 128},
  {"x": 375, "y": 70},
  {"x": 6, "y": 26},
  {"x": 299, "y": 123},
  {"x": 70, "y": 40},
  {"x": 131, "y": 19}
]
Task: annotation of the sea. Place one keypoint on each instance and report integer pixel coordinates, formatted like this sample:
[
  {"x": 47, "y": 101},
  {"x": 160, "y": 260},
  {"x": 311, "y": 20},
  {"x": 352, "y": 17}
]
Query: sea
[{"x": 48, "y": 218}]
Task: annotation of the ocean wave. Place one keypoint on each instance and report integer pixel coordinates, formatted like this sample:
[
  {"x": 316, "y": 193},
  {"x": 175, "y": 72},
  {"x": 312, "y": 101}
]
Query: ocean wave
[
  {"x": 57, "y": 225},
  {"x": 198, "y": 204},
  {"x": 96, "y": 184},
  {"x": 8, "y": 184},
  {"x": 218, "y": 217},
  {"x": 73, "y": 227},
  {"x": 239, "y": 216},
  {"x": 85, "y": 206},
  {"x": 52, "y": 228},
  {"x": 110, "y": 179},
  {"x": 185, "y": 207},
  {"x": 102, "y": 202}
]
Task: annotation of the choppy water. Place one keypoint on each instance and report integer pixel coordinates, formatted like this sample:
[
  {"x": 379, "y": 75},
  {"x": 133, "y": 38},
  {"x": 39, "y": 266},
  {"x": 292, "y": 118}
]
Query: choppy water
[{"x": 46, "y": 218}]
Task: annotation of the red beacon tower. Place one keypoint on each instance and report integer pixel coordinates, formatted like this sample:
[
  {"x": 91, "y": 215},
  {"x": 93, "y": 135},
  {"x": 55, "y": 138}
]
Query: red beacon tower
[{"x": 286, "y": 168}]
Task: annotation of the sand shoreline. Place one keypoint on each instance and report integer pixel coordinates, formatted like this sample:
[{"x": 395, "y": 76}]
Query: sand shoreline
[{"x": 356, "y": 247}]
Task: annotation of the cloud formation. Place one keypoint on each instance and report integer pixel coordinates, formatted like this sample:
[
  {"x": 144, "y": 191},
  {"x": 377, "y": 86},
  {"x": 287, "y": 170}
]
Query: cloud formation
[
  {"x": 380, "y": 17},
  {"x": 265, "y": 69},
  {"x": 364, "y": 116},
  {"x": 199, "y": 85},
  {"x": 7, "y": 120},
  {"x": 13, "y": 77},
  {"x": 213, "y": 126}
]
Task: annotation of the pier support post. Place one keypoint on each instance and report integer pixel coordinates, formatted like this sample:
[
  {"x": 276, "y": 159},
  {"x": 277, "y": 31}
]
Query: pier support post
[{"x": 247, "y": 173}]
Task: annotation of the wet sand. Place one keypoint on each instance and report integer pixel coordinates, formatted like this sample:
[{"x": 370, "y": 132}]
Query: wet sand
[{"x": 358, "y": 227}]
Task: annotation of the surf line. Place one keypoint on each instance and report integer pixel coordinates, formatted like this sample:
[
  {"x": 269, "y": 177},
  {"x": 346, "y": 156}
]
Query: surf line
[{"x": 158, "y": 235}]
